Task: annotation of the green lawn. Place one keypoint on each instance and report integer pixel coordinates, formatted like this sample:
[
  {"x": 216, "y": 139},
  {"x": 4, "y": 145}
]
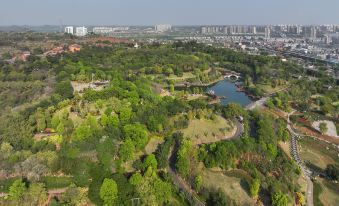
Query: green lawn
[
  {"x": 321, "y": 154},
  {"x": 325, "y": 192},
  {"x": 330, "y": 194},
  {"x": 268, "y": 89},
  {"x": 285, "y": 146},
  {"x": 233, "y": 187},
  {"x": 201, "y": 131},
  {"x": 153, "y": 144},
  {"x": 185, "y": 76},
  {"x": 56, "y": 182},
  {"x": 317, "y": 190},
  {"x": 318, "y": 153}
]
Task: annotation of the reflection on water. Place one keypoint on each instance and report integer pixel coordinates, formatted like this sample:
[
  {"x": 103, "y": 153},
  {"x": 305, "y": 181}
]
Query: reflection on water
[{"x": 228, "y": 89}]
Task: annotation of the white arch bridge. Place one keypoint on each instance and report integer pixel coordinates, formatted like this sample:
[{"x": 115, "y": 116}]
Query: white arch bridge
[{"x": 232, "y": 75}]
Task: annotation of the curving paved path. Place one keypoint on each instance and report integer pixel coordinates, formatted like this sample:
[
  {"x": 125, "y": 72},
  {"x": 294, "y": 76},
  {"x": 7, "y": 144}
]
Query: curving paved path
[
  {"x": 256, "y": 104},
  {"x": 295, "y": 154}
]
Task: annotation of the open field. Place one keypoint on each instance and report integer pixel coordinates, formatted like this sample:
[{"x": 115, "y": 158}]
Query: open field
[
  {"x": 56, "y": 182},
  {"x": 234, "y": 187},
  {"x": 201, "y": 131},
  {"x": 317, "y": 190},
  {"x": 285, "y": 146},
  {"x": 191, "y": 97},
  {"x": 326, "y": 193},
  {"x": 153, "y": 145},
  {"x": 318, "y": 153},
  {"x": 268, "y": 89},
  {"x": 321, "y": 154},
  {"x": 185, "y": 76}
]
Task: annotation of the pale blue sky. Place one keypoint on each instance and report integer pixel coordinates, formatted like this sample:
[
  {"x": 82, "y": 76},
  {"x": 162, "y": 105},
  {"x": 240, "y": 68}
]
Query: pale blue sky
[{"x": 176, "y": 12}]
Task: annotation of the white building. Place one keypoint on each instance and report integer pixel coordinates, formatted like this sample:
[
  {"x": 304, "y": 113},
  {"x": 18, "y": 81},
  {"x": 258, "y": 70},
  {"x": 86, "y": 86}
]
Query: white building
[
  {"x": 69, "y": 30},
  {"x": 103, "y": 30},
  {"x": 299, "y": 29},
  {"x": 313, "y": 33},
  {"x": 163, "y": 27},
  {"x": 254, "y": 30},
  {"x": 267, "y": 33},
  {"x": 81, "y": 31}
]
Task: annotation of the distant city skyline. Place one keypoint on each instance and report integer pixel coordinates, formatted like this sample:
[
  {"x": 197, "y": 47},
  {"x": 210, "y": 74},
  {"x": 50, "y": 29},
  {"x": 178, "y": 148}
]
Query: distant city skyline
[{"x": 174, "y": 12}]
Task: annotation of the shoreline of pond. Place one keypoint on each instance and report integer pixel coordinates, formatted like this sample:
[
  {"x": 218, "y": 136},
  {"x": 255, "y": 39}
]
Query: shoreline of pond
[{"x": 225, "y": 89}]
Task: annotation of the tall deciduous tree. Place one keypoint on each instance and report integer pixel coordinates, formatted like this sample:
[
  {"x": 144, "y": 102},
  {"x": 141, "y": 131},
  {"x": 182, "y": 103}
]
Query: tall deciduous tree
[
  {"x": 17, "y": 190},
  {"x": 186, "y": 158},
  {"x": 279, "y": 199},
  {"x": 108, "y": 191},
  {"x": 64, "y": 89},
  {"x": 254, "y": 187},
  {"x": 323, "y": 127},
  {"x": 40, "y": 119},
  {"x": 137, "y": 133},
  {"x": 126, "y": 150},
  {"x": 150, "y": 161}
]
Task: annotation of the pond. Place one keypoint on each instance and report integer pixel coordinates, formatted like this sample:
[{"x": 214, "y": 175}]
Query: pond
[{"x": 228, "y": 92}]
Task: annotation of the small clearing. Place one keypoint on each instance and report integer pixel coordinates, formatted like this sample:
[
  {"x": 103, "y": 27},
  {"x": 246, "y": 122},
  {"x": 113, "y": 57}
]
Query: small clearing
[
  {"x": 232, "y": 186},
  {"x": 202, "y": 131}
]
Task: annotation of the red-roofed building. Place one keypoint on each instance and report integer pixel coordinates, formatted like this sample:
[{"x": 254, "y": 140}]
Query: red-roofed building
[{"x": 74, "y": 48}]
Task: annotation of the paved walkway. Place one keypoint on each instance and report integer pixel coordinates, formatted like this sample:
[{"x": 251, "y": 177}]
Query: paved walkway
[
  {"x": 261, "y": 102},
  {"x": 258, "y": 103},
  {"x": 295, "y": 154}
]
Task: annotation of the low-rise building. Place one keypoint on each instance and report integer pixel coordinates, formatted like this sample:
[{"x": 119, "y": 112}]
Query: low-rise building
[
  {"x": 74, "y": 48},
  {"x": 163, "y": 27},
  {"x": 24, "y": 56}
]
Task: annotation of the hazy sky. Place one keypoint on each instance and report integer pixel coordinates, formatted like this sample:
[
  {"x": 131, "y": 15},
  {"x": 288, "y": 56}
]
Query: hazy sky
[{"x": 176, "y": 12}]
